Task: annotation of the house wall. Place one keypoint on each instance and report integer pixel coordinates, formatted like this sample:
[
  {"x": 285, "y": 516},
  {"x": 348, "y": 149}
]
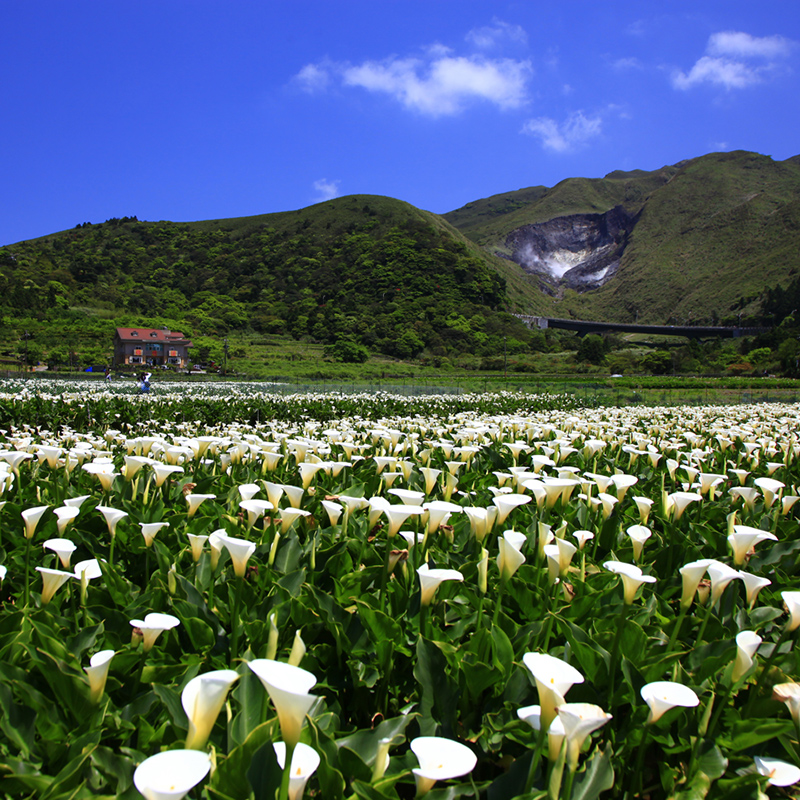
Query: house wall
[{"x": 143, "y": 352}]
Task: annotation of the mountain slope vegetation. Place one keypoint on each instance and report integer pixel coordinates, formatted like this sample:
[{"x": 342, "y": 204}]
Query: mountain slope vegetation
[
  {"x": 715, "y": 239},
  {"x": 368, "y": 270},
  {"x": 710, "y": 236}
]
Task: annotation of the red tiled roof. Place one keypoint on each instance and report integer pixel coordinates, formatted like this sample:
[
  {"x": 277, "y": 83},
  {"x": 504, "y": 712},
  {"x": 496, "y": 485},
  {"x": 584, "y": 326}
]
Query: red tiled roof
[{"x": 146, "y": 335}]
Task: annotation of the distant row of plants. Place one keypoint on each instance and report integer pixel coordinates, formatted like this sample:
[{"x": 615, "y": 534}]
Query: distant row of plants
[{"x": 82, "y": 404}]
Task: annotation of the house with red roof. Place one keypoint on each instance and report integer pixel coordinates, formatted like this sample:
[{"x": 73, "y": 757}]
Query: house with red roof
[{"x": 150, "y": 347}]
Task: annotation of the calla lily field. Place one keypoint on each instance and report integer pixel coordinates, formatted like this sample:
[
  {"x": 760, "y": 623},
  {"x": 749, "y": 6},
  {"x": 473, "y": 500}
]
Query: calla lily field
[{"x": 225, "y": 592}]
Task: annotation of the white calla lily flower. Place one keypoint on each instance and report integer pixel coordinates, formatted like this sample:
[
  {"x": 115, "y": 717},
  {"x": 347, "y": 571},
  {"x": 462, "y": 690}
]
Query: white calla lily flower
[
  {"x": 172, "y": 774},
  {"x": 288, "y": 687},
  {"x": 305, "y": 760},
  {"x": 97, "y": 673},
  {"x": 152, "y": 626},
  {"x": 202, "y": 699},
  {"x": 429, "y": 580},
  {"x": 439, "y": 760},
  {"x": 661, "y": 696}
]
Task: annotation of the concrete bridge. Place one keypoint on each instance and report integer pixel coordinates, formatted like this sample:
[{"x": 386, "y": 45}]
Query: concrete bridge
[{"x": 582, "y": 327}]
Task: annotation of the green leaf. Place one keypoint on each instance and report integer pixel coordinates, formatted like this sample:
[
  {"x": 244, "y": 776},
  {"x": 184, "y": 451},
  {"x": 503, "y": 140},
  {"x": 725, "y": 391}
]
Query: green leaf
[
  {"x": 84, "y": 639},
  {"x": 439, "y": 694},
  {"x": 287, "y": 559},
  {"x": 746, "y": 733},
  {"x": 121, "y": 590},
  {"x": 199, "y": 632},
  {"x": 114, "y": 765},
  {"x": 230, "y": 778},
  {"x": 502, "y": 649},
  {"x": 696, "y": 789},
  {"x": 365, "y": 742},
  {"x": 293, "y": 582},
  {"x": 172, "y": 700},
  {"x": 597, "y": 777},
  {"x": 69, "y": 776},
  {"x": 588, "y": 653},
  {"x": 250, "y": 694},
  {"x": 367, "y": 791},
  {"x": 711, "y": 761},
  {"x": 264, "y": 774},
  {"x": 330, "y": 779},
  {"x": 68, "y": 686},
  {"x": 19, "y": 722},
  {"x": 21, "y": 777}
]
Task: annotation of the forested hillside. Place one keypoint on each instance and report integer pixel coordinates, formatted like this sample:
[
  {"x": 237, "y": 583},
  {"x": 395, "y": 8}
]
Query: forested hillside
[
  {"x": 357, "y": 272},
  {"x": 715, "y": 239}
]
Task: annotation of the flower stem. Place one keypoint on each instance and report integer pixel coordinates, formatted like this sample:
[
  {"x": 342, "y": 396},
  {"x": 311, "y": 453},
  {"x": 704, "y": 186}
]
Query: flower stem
[
  {"x": 637, "y": 771},
  {"x": 612, "y": 664},
  {"x": 537, "y": 754},
  {"x": 566, "y": 791},
  {"x": 702, "y": 630},
  {"x": 676, "y": 629},
  {"x": 762, "y": 676},
  {"x": 287, "y": 772},
  {"x": 500, "y": 589},
  {"x": 237, "y": 600},
  {"x": 385, "y": 572},
  {"x": 28, "y": 572}
]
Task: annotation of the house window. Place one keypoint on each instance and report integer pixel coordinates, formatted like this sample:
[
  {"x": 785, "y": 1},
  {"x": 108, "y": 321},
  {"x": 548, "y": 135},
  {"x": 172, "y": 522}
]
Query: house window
[
  {"x": 154, "y": 335},
  {"x": 135, "y": 360},
  {"x": 134, "y": 333}
]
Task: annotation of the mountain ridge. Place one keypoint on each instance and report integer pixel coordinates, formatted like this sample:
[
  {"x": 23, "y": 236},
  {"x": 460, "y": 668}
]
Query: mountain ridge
[
  {"x": 710, "y": 240},
  {"x": 711, "y": 235}
]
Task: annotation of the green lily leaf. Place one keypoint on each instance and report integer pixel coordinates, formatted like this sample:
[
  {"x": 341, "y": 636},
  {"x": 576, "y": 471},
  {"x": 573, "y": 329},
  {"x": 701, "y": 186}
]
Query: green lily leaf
[
  {"x": 597, "y": 777},
  {"x": 230, "y": 778},
  {"x": 19, "y": 721},
  {"x": 697, "y": 788},
  {"x": 264, "y": 774},
  {"x": 251, "y": 697},
  {"x": 330, "y": 779}
]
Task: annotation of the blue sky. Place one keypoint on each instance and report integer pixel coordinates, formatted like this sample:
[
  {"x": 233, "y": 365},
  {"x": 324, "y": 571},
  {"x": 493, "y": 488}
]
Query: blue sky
[{"x": 204, "y": 109}]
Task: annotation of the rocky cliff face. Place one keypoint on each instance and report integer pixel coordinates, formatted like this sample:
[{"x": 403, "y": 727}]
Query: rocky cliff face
[{"x": 580, "y": 251}]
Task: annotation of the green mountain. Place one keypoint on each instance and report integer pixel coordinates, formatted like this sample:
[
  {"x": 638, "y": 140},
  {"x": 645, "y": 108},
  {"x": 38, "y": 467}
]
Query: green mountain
[
  {"x": 713, "y": 239},
  {"x": 701, "y": 241},
  {"x": 361, "y": 270}
]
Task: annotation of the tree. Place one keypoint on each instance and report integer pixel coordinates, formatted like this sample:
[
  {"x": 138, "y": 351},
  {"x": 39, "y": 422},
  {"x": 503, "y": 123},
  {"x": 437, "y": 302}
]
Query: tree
[
  {"x": 347, "y": 351},
  {"x": 408, "y": 344},
  {"x": 592, "y": 349},
  {"x": 659, "y": 362}
]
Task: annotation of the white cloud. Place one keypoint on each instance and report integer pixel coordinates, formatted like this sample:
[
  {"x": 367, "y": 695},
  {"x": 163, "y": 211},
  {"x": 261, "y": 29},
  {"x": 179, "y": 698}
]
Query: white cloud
[
  {"x": 636, "y": 28},
  {"x": 497, "y": 34},
  {"x": 743, "y": 45},
  {"x": 435, "y": 81},
  {"x": 576, "y": 131},
  {"x": 718, "y": 71},
  {"x": 313, "y": 78},
  {"x": 623, "y": 64},
  {"x": 735, "y": 60},
  {"x": 443, "y": 85},
  {"x": 326, "y": 190}
]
